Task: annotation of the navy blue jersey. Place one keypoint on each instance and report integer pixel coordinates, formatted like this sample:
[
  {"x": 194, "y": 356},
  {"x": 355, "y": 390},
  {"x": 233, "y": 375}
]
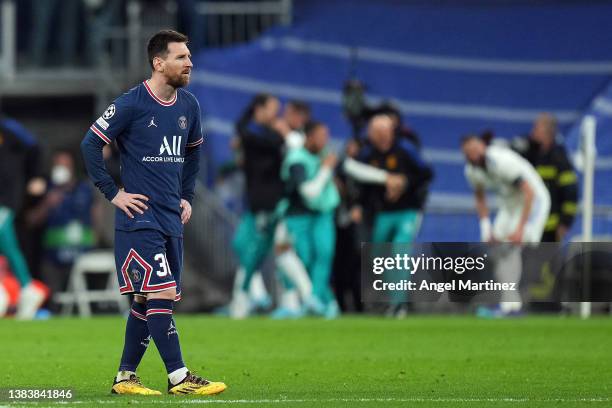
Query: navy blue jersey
[{"x": 158, "y": 143}]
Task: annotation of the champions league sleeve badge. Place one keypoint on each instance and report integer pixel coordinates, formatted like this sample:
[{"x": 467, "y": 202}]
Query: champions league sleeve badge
[{"x": 109, "y": 112}]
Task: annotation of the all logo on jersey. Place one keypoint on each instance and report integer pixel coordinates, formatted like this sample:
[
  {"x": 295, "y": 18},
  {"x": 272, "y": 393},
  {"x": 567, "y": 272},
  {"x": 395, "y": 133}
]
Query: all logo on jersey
[
  {"x": 182, "y": 122},
  {"x": 169, "y": 151},
  {"x": 174, "y": 150},
  {"x": 109, "y": 112}
]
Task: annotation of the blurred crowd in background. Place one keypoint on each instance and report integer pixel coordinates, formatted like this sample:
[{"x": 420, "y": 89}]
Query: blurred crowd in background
[
  {"x": 50, "y": 215},
  {"x": 70, "y": 33},
  {"x": 311, "y": 217},
  {"x": 305, "y": 200},
  {"x": 382, "y": 201}
]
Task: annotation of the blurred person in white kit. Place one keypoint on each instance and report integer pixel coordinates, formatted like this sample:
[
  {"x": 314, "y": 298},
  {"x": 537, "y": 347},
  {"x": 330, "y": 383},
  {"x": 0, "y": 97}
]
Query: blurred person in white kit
[{"x": 524, "y": 205}]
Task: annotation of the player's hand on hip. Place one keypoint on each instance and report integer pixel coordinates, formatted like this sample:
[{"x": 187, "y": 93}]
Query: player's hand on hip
[
  {"x": 186, "y": 212},
  {"x": 129, "y": 203}
]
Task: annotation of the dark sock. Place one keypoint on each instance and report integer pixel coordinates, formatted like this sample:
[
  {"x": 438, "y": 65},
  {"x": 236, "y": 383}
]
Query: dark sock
[
  {"x": 136, "y": 338},
  {"x": 163, "y": 332}
]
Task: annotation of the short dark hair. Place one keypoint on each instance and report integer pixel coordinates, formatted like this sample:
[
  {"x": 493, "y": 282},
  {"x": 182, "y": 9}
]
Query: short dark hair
[
  {"x": 467, "y": 138},
  {"x": 300, "y": 106},
  {"x": 258, "y": 100},
  {"x": 158, "y": 44},
  {"x": 486, "y": 137},
  {"x": 311, "y": 126}
]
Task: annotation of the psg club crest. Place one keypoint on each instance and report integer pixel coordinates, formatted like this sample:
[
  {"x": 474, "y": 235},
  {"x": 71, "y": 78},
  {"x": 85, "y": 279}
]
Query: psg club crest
[
  {"x": 136, "y": 276},
  {"x": 109, "y": 112},
  {"x": 182, "y": 122}
]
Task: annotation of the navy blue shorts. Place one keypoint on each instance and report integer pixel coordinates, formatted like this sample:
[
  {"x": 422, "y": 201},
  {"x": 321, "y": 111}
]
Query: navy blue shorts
[{"x": 147, "y": 261}]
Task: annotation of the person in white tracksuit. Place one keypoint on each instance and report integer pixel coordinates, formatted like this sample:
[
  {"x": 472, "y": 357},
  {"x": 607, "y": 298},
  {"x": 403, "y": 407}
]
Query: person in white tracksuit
[{"x": 524, "y": 205}]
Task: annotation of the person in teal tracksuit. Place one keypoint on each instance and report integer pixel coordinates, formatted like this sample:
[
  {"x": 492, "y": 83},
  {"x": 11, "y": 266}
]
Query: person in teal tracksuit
[
  {"x": 396, "y": 213},
  {"x": 313, "y": 198}
]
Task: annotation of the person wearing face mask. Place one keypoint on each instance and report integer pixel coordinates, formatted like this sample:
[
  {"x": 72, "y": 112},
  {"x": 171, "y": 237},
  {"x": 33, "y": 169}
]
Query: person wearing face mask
[
  {"x": 19, "y": 173},
  {"x": 66, "y": 212}
]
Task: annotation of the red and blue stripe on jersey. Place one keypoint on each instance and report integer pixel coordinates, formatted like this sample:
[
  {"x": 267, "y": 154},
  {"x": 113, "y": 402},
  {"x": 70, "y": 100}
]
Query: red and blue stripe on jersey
[{"x": 153, "y": 137}]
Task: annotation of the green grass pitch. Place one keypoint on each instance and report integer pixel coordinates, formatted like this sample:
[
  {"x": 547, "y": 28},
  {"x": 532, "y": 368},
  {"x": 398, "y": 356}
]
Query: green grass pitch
[{"x": 354, "y": 361}]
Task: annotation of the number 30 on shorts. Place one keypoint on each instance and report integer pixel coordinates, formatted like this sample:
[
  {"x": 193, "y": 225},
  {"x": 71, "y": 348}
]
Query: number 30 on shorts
[{"x": 163, "y": 265}]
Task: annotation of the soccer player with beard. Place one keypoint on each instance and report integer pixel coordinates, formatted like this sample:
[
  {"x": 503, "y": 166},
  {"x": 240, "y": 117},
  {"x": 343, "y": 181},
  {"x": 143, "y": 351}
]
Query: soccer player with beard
[
  {"x": 524, "y": 205},
  {"x": 157, "y": 128}
]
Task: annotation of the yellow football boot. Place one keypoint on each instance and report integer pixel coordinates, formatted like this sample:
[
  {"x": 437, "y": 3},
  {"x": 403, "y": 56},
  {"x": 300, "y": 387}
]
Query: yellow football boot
[
  {"x": 132, "y": 386},
  {"x": 194, "y": 385}
]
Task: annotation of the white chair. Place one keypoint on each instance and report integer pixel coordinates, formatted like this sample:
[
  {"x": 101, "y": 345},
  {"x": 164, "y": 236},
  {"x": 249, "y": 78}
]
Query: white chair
[{"x": 77, "y": 294}]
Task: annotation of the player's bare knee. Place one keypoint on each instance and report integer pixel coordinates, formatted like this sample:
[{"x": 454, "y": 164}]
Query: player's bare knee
[
  {"x": 167, "y": 294},
  {"x": 140, "y": 299}
]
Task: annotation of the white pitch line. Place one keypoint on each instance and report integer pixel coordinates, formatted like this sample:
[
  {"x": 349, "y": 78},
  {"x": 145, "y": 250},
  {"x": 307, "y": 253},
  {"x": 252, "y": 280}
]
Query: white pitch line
[{"x": 120, "y": 400}]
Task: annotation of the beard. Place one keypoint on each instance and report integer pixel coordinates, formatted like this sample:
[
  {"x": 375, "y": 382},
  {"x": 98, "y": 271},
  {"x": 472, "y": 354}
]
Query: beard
[
  {"x": 178, "y": 81},
  {"x": 481, "y": 162}
]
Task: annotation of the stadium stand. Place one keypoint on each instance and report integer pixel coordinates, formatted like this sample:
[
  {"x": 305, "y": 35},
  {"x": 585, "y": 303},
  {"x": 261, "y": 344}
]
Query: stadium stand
[
  {"x": 446, "y": 85},
  {"x": 511, "y": 61}
]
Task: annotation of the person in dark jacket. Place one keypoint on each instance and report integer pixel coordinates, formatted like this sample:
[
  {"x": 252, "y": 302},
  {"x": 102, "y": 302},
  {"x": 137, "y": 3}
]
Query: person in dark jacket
[
  {"x": 550, "y": 160},
  {"x": 261, "y": 148},
  {"x": 395, "y": 211}
]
